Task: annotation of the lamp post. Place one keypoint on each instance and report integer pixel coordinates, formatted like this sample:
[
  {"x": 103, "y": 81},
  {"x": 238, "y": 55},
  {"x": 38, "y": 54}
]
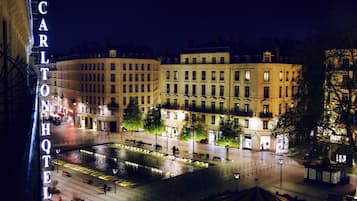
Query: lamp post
[
  {"x": 115, "y": 171},
  {"x": 193, "y": 142},
  {"x": 237, "y": 177},
  {"x": 281, "y": 161},
  {"x": 57, "y": 152}
]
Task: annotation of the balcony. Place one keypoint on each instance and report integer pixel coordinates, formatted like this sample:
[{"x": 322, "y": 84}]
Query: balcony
[
  {"x": 171, "y": 106},
  {"x": 266, "y": 115},
  {"x": 242, "y": 113}
]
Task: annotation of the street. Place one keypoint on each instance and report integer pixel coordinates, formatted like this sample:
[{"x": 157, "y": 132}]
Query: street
[{"x": 255, "y": 168}]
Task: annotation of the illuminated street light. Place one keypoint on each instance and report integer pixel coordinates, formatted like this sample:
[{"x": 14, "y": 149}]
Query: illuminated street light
[
  {"x": 57, "y": 152},
  {"x": 237, "y": 177}
]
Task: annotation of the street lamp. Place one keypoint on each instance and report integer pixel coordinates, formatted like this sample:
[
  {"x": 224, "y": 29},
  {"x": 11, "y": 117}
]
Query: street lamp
[
  {"x": 281, "y": 161},
  {"x": 237, "y": 177},
  {"x": 57, "y": 152},
  {"x": 193, "y": 142},
  {"x": 115, "y": 171}
]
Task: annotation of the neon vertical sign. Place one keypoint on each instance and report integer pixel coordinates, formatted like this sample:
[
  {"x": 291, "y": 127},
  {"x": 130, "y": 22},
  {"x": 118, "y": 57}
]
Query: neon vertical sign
[{"x": 45, "y": 127}]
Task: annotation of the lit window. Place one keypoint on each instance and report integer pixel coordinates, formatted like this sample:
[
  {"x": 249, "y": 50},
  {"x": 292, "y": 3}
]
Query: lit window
[
  {"x": 266, "y": 75},
  {"x": 247, "y": 75}
]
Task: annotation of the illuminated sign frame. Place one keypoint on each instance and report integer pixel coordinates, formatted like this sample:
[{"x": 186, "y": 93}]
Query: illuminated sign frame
[{"x": 45, "y": 127}]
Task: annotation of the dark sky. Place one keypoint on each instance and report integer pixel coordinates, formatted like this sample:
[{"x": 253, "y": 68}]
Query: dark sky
[{"x": 170, "y": 24}]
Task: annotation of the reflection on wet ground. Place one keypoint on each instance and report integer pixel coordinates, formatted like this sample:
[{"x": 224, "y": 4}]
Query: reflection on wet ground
[{"x": 130, "y": 165}]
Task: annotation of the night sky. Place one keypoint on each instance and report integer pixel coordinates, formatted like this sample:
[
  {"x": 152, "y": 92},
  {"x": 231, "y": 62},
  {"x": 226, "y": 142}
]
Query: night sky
[{"x": 170, "y": 24}]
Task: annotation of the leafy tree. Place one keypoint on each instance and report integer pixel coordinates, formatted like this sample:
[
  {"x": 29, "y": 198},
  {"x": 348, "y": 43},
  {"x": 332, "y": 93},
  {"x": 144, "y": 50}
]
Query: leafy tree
[
  {"x": 153, "y": 123},
  {"x": 196, "y": 127},
  {"x": 230, "y": 133},
  {"x": 132, "y": 119}
]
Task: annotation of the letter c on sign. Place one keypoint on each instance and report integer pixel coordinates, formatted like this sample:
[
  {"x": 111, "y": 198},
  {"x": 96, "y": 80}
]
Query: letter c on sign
[{"x": 41, "y": 7}]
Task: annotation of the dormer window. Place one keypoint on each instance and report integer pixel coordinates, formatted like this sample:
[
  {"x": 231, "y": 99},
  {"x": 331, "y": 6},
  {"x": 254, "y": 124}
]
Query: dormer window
[{"x": 267, "y": 57}]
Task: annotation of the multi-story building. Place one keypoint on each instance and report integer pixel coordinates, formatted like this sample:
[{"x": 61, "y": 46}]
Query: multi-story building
[
  {"x": 340, "y": 95},
  {"x": 93, "y": 92},
  {"x": 210, "y": 85},
  {"x": 16, "y": 100}
]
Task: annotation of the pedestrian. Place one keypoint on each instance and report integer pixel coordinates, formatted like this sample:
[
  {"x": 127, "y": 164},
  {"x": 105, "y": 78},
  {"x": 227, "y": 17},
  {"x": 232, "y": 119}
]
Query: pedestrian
[
  {"x": 105, "y": 188},
  {"x": 173, "y": 150}
]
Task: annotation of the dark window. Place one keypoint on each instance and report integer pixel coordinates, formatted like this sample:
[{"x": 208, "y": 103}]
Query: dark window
[
  {"x": 112, "y": 77},
  {"x": 265, "y": 124},
  {"x": 221, "y": 91},
  {"x": 266, "y": 92},
  {"x": 222, "y": 60},
  {"x": 236, "y": 75},
  {"x": 246, "y": 92},
  {"x": 112, "y": 66},
  {"x": 194, "y": 60},
  {"x": 203, "y": 90},
  {"x": 112, "y": 89},
  {"x": 193, "y": 75},
  {"x": 213, "y": 90},
  {"x": 193, "y": 90},
  {"x": 186, "y": 75},
  {"x": 213, "y": 75},
  {"x": 124, "y": 66},
  {"x": 186, "y": 89},
  {"x": 175, "y": 88},
  {"x": 214, "y": 60},
  {"x": 236, "y": 91},
  {"x": 203, "y": 75},
  {"x": 124, "y": 77},
  {"x": 221, "y": 75},
  {"x": 167, "y": 88},
  {"x": 203, "y": 60}
]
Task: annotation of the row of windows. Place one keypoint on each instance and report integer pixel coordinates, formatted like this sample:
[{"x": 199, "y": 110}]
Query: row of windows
[
  {"x": 204, "y": 60},
  {"x": 136, "y": 100},
  {"x": 131, "y": 66},
  {"x": 98, "y": 66},
  {"x": 136, "y": 88},
  {"x": 130, "y": 77},
  {"x": 92, "y": 88},
  {"x": 93, "y": 100},
  {"x": 213, "y": 120},
  {"x": 266, "y": 90},
  {"x": 92, "y": 77},
  {"x": 247, "y": 75}
]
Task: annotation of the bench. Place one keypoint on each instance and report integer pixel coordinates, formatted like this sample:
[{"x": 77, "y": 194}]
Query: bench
[{"x": 65, "y": 173}]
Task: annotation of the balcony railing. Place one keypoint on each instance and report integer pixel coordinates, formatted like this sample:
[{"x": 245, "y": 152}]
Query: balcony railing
[
  {"x": 242, "y": 113},
  {"x": 266, "y": 115}
]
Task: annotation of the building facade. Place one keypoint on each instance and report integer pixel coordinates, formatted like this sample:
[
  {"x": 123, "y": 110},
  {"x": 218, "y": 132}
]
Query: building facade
[
  {"x": 209, "y": 85},
  {"x": 93, "y": 92},
  {"x": 17, "y": 100}
]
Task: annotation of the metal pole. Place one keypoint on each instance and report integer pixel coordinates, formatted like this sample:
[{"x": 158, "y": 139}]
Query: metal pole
[
  {"x": 193, "y": 143},
  {"x": 281, "y": 171}
]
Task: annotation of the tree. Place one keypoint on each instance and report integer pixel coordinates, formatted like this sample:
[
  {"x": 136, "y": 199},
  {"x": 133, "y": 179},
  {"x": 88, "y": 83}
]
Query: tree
[
  {"x": 132, "y": 119},
  {"x": 196, "y": 127},
  {"x": 230, "y": 133},
  {"x": 153, "y": 123}
]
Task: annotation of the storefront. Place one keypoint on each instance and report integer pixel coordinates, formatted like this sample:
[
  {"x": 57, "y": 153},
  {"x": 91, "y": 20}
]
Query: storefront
[
  {"x": 282, "y": 143},
  {"x": 247, "y": 142},
  {"x": 265, "y": 142}
]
